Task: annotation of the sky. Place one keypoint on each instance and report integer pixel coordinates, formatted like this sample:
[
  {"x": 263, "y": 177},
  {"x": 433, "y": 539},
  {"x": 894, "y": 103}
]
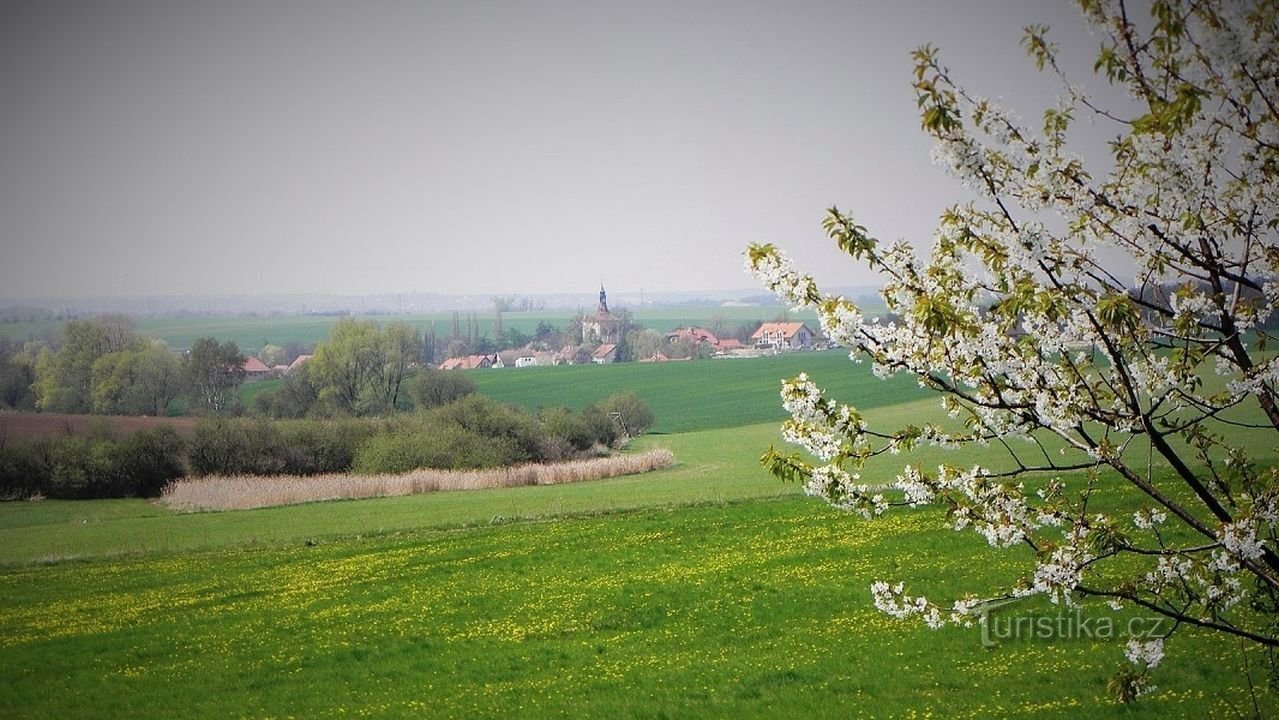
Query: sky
[{"x": 153, "y": 147}]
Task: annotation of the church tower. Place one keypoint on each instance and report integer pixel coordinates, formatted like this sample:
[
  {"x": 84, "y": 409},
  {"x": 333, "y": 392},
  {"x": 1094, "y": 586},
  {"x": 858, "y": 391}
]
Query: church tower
[{"x": 602, "y": 327}]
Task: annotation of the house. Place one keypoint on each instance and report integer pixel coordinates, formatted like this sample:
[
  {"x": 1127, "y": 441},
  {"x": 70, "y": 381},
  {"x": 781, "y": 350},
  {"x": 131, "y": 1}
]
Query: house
[
  {"x": 254, "y": 369},
  {"x": 783, "y": 336},
  {"x": 693, "y": 334},
  {"x": 278, "y": 370},
  {"x": 472, "y": 362},
  {"x": 606, "y": 353},
  {"x": 728, "y": 344},
  {"x": 526, "y": 361},
  {"x": 298, "y": 362},
  {"x": 566, "y": 355}
]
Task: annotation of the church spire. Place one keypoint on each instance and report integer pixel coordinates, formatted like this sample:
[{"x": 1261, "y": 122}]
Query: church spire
[{"x": 603, "y": 309}]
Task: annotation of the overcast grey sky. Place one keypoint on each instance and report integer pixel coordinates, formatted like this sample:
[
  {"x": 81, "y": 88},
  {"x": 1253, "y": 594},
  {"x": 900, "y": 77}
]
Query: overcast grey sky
[{"x": 167, "y": 147}]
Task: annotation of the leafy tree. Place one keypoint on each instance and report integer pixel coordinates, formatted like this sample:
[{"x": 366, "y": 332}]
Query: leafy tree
[
  {"x": 17, "y": 373},
  {"x": 272, "y": 355},
  {"x": 513, "y": 338},
  {"x": 402, "y": 351},
  {"x": 347, "y": 365},
  {"x": 361, "y": 368},
  {"x": 296, "y": 396},
  {"x": 64, "y": 379},
  {"x": 1021, "y": 318},
  {"x": 630, "y": 411},
  {"x": 213, "y": 374},
  {"x": 433, "y": 388},
  {"x": 136, "y": 382},
  {"x": 646, "y": 343},
  {"x": 545, "y": 332}
]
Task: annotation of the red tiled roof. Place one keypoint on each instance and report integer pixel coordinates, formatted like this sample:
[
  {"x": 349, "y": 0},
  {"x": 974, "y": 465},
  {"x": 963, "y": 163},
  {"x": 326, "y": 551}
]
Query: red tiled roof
[
  {"x": 299, "y": 362},
  {"x": 693, "y": 333},
  {"x": 254, "y": 365}
]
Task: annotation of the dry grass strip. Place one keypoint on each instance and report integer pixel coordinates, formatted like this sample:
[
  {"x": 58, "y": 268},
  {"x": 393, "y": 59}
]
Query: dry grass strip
[{"x": 244, "y": 492}]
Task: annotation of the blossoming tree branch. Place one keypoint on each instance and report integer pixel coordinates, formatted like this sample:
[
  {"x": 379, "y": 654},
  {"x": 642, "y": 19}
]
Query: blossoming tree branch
[{"x": 1103, "y": 326}]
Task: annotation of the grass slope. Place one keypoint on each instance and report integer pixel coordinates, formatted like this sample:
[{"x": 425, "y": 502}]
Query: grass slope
[
  {"x": 712, "y": 466},
  {"x": 746, "y": 610},
  {"x": 697, "y": 395}
]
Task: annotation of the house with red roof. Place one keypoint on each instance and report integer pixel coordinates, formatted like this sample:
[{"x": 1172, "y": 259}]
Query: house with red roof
[
  {"x": 254, "y": 369},
  {"x": 693, "y": 334},
  {"x": 472, "y": 362},
  {"x": 298, "y": 362},
  {"x": 783, "y": 336},
  {"x": 604, "y": 354}
]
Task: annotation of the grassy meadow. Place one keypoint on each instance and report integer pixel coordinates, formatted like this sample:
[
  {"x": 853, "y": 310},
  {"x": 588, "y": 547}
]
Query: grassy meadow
[
  {"x": 699, "y": 395},
  {"x": 707, "y": 589}
]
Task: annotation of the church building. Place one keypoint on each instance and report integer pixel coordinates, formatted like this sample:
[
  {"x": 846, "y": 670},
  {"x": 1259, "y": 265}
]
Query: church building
[{"x": 603, "y": 326}]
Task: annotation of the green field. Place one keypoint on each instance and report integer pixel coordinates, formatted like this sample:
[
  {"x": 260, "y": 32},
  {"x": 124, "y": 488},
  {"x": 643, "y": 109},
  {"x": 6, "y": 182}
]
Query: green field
[
  {"x": 251, "y": 332},
  {"x": 707, "y": 589},
  {"x": 740, "y": 610},
  {"x": 697, "y": 395}
]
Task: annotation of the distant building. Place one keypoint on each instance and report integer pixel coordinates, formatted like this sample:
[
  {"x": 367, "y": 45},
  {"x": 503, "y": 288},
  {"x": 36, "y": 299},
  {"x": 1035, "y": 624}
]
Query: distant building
[
  {"x": 255, "y": 370},
  {"x": 693, "y": 334},
  {"x": 526, "y": 361},
  {"x": 783, "y": 336},
  {"x": 472, "y": 362},
  {"x": 298, "y": 362},
  {"x": 603, "y": 326},
  {"x": 604, "y": 354}
]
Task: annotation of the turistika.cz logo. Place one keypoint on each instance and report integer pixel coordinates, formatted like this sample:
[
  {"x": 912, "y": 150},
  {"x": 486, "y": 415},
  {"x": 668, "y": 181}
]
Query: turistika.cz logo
[{"x": 1067, "y": 625}]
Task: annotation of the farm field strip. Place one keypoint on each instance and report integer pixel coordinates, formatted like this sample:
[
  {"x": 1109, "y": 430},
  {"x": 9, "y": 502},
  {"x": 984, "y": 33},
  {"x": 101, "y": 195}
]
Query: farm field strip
[
  {"x": 698, "y": 395},
  {"x": 251, "y": 332}
]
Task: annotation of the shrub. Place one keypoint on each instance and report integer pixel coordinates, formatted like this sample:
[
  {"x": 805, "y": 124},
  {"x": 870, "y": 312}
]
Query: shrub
[
  {"x": 224, "y": 446},
  {"x": 435, "y": 444},
  {"x": 434, "y": 388},
  {"x": 564, "y": 434},
  {"x": 491, "y": 419},
  {"x": 150, "y": 459},
  {"x": 634, "y": 412},
  {"x": 74, "y": 467},
  {"x": 220, "y": 446}
]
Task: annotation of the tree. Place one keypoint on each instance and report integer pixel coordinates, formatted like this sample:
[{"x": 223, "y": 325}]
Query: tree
[
  {"x": 136, "y": 382},
  {"x": 646, "y": 343},
  {"x": 433, "y": 388},
  {"x": 348, "y": 365},
  {"x": 17, "y": 373},
  {"x": 630, "y": 412},
  {"x": 296, "y": 396},
  {"x": 1021, "y": 319},
  {"x": 213, "y": 374},
  {"x": 64, "y": 379},
  {"x": 402, "y": 346},
  {"x": 272, "y": 355}
]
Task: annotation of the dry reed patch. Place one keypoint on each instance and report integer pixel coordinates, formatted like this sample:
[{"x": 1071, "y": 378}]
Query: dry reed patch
[{"x": 244, "y": 492}]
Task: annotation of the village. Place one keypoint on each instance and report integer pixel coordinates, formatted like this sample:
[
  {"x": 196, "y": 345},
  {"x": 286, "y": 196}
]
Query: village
[
  {"x": 603, "y": 340},
  {"x": 601, "y": 337}
]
